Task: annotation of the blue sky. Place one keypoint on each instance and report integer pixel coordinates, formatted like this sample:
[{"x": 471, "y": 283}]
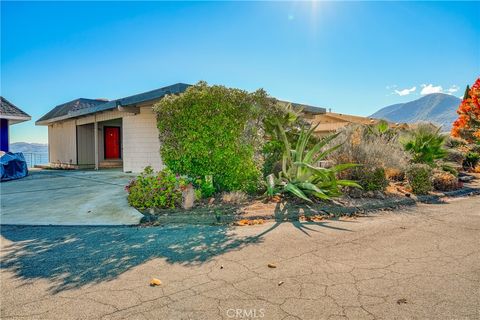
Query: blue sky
[{"x": 353, "y": 57}]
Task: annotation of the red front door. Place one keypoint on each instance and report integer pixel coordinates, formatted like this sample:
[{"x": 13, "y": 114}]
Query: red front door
[{"x": 112, "y": 142}]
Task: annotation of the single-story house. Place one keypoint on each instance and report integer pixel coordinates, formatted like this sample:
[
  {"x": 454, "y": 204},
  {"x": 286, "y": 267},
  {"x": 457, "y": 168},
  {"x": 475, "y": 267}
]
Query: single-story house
[
  {"x": 9, "y": 114},
  {"x": 331, "y": 121},
  {"x": 96, "y": 133}
]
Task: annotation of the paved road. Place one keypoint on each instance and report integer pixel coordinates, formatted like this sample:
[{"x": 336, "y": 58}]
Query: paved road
[
  {"x": 67, "y": 198},
  {"x": 421, "y": 263}
]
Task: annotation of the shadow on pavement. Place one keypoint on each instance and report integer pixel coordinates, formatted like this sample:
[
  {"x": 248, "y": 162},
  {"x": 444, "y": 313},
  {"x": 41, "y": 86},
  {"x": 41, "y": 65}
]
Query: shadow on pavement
[{"x": 75, "y": 256}]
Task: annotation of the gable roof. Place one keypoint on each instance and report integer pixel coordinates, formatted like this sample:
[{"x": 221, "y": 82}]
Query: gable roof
[
  {"x": 82, "y": 106},
  {"x": 11, "y": 112}
]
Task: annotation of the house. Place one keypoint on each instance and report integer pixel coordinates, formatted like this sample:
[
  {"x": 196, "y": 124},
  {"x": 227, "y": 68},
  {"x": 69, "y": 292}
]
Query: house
[
  {"x": 9, "y": 114},
  {"x": 95, "y": 133},
  {"x": 329, "y": 122}
]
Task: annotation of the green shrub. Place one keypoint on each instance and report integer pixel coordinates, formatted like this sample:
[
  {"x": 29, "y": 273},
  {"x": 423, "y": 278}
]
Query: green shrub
[
  {"x": 471, "y": 160},
  {"x": 449, "y": 168},
  {"x": 371, "y": 179},
  {"x": 425, "y": 143},
  {"x": 214, "y": 130},
  {"x": 156, "y": 189},
  {"x": 419, "y": 177},
  {"x": 455, "y": 156},
  {"x": 444, "y": 181},
  {"x": 272, "y": 153},
  {"x": 206, "y": 186},
  {"x": 452, "y": 142}
]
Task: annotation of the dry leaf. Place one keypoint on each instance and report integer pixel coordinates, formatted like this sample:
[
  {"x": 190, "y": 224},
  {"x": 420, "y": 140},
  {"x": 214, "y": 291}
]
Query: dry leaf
[
  {"x": 243, "y": 222},
  {"x": 271, "y": 265},
  {"x": 155, "y": 282}
]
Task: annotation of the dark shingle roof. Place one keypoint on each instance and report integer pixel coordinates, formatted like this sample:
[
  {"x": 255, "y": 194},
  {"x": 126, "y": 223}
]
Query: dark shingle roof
[
  {"x": 81, "y": 107},
  {"x": 63, "y": 110},
  {"x": 9, "y": 109}
]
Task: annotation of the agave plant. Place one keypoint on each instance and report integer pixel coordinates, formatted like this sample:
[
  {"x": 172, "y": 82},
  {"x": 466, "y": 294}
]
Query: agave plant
[{"x": 300, "y": 174}]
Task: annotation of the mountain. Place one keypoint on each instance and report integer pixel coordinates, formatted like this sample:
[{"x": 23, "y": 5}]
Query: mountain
[
  {"x": 438, "y": 108},
  {"x": 28, "y": 147}
]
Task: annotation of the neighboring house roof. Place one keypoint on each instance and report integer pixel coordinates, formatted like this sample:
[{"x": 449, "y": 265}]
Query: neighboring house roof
[
  {"x": 81, "y": 107},
  {"x": 11, "y": 112},
  {"x": 331, "y": 121}
]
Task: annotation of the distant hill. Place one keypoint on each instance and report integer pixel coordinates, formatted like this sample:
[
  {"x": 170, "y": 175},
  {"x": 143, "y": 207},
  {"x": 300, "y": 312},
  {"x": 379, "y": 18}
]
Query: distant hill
[
  {"x": 438, "y": 108},
  {"x": 28, "y": 147}
]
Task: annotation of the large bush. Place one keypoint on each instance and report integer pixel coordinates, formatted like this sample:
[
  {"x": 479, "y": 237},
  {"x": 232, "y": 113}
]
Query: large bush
[{"x": 214, "y": 130}]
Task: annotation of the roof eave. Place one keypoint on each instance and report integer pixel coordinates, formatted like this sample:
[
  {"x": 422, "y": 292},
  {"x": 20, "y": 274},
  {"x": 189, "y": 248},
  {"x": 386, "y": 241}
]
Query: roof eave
[{"x": 15, "y": 119}]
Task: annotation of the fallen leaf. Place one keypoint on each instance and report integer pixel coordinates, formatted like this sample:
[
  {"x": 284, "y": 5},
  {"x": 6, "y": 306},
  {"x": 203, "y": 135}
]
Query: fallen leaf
[
  {"x": 155, "y": 282},
  {"x": 243, "y": 222},
  {"x": 271, "y": 265}
]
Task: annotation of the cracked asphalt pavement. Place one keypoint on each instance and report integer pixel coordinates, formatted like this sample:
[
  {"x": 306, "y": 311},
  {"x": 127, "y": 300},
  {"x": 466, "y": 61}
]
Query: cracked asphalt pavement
[{"x": 416, "y": 263}]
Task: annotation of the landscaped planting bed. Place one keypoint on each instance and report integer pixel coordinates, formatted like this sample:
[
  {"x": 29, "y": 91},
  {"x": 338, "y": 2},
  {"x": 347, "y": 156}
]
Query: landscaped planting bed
[{"x": 234, "y": 156}]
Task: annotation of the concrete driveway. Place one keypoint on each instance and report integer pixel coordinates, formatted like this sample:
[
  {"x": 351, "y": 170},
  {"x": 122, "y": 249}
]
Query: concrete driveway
[
  {"x": 418, "y": 263},
  {"x": 67, "y": 198}
]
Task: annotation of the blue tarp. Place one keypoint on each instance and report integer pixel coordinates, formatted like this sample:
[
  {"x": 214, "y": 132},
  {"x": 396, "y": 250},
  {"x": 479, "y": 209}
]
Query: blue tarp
[{"x": 13, "y": 166}]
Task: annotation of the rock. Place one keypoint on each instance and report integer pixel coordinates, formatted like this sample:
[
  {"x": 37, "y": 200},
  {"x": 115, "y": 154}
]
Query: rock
[
  {"x": 379, "y": 195},
  {"x": 465, "y": 178},
  {"x": 188, "y": 197},
  {"x": 271, "y": 265}
]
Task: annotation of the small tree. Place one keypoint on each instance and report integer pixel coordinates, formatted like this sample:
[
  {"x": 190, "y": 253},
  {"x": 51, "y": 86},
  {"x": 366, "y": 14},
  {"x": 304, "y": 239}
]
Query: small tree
[{"x": 467, "y": 126}]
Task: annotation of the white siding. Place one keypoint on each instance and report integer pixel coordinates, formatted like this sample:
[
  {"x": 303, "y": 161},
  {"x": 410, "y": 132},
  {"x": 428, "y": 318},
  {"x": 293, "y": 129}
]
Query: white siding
[
  {"x": 62, "y": 142},
  {"x": 141, "y": 146}
]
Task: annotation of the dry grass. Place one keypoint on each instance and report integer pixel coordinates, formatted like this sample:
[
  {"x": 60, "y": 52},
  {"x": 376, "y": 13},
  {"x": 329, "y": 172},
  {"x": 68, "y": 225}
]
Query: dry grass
[{"x": 370, "y": 150}]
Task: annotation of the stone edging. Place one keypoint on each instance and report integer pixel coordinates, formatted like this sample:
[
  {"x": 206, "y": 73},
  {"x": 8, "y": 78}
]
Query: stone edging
[{"x": 230, "y": 214}]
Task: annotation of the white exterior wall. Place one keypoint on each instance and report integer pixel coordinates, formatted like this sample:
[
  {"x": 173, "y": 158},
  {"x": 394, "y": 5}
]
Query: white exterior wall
[
  {"x": 62, "y": 142},
  {"x": 141, "y": 146}
]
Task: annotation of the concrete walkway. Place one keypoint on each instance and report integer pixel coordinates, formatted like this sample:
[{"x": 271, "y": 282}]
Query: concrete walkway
[
  {"x": 67, "y": 198},
  {"x": 420, "y": 263}
]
